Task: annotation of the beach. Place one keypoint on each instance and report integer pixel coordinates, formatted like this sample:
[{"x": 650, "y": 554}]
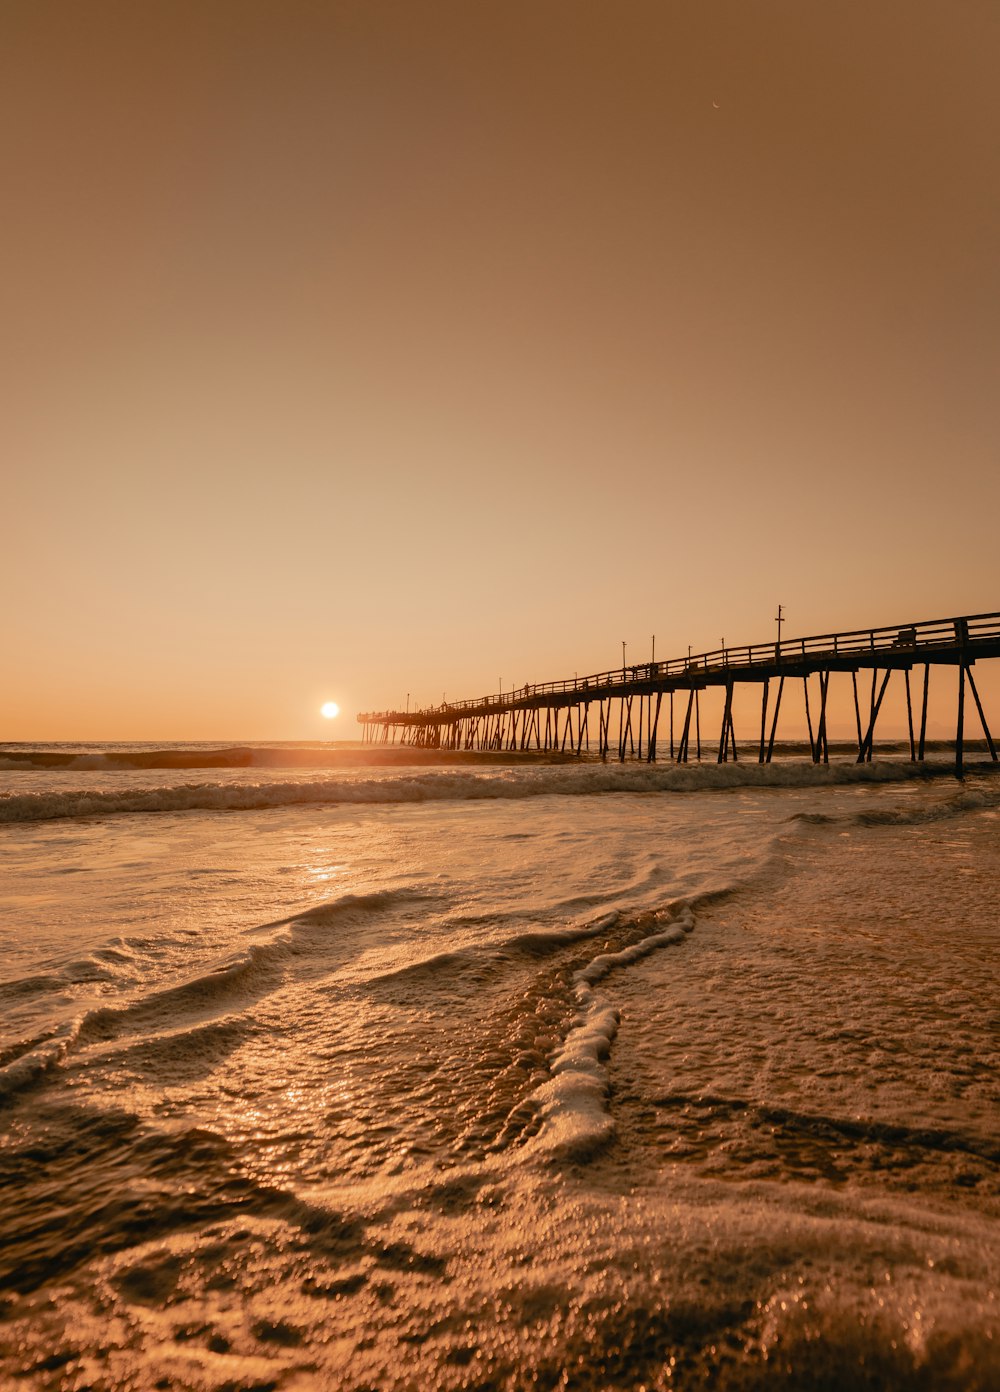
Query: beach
[{"x": 333, "y": 1074}]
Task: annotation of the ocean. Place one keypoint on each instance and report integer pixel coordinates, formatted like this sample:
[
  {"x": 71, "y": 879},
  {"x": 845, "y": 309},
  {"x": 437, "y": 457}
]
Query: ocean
[{"x": 333, "y": 1068}]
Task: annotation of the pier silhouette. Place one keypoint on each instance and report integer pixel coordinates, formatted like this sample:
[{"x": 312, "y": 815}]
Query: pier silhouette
[{"x": 560, "y": 716}]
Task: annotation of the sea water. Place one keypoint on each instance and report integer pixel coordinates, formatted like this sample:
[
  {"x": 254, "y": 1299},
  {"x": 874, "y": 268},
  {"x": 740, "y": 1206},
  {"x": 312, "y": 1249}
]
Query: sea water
[{"x": 319, "y": 1070}]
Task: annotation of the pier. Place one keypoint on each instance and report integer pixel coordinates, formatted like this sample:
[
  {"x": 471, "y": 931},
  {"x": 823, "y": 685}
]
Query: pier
[{"x": 658, "y": 706}]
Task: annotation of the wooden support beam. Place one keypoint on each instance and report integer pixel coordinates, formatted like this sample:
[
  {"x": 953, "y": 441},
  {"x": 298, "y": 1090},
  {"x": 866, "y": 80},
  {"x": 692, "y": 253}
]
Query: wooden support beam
[
  {"x": 727, "y": 726},
  {"x": 923, "y": 713},
  {"x": 857, "y": 708},
  {"x": 763, "y": 719},
  {"x": 872, "y": 710},
  {"x": 651, "y": 755},
  {"x": 909, "y": 716},
  {"x": 774, "y": 722},
  {"x": 732, "y": 734},
  {"x": 625, "y": 737},
  {"x": 723, "y": 733},
  {"x": 960, "y": 729},
  {"x": 682, "y": 748},
  {"x": 697, "y": 721},
  {"x": 809, "y": 724},
  {"x": 865, "y": 753},
  {"x": 821, "y": 736},
  {"x": 982, "y": 716}
]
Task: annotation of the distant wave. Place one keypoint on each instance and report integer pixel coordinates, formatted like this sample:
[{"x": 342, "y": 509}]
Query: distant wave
[
  {"x": 277, "y": 756},
  {"x": 204, "y": 756},
  {"x": 452, "y": 785}
]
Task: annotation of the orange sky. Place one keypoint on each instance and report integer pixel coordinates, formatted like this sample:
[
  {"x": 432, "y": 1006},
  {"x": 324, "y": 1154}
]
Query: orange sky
[{"x": 357, "y": 349}]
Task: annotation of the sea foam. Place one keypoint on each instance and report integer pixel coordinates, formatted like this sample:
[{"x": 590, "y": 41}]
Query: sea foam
[{"x": 573, "y": 1102}]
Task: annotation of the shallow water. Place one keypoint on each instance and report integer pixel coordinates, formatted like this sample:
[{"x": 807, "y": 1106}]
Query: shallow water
[{"x": 500, "y": 1078}]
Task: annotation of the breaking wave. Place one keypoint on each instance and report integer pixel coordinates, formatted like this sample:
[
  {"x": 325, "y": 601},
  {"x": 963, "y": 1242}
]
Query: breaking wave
[{"x": 451, "y": 785}]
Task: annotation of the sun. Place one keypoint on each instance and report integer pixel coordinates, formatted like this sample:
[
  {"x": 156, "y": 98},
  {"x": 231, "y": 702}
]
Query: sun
[{"x": 330, "y": 710}]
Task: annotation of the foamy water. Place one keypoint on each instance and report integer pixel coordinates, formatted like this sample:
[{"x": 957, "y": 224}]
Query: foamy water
[{"x": 470, "y": 1075}]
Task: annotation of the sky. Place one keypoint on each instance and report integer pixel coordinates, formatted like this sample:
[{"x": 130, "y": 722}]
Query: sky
[{"x": 360, "y": 350}]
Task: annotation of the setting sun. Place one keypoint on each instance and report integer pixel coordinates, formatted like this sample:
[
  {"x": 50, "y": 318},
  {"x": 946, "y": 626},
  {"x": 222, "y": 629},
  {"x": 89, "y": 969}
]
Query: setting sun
[{"x": 330, "y": 710}]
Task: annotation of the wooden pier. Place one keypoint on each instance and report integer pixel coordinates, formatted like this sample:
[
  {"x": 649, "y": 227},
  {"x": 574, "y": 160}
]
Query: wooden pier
[{"x": 658, "y": 703}]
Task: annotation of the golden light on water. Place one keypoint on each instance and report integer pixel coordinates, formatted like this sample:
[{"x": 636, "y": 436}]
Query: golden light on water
[{"x": 330, "y": 710}]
